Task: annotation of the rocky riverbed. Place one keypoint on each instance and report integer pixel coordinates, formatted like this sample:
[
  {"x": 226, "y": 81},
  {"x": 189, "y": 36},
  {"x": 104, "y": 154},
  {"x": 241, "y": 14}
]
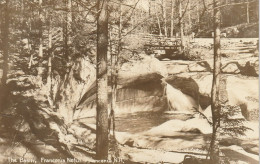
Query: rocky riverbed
[{"x": 162, "y": 109}]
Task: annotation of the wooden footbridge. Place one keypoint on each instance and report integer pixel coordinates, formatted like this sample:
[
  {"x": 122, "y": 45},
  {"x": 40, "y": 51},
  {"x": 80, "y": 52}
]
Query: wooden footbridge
[
  {"x": 162, "y": 47},
  {"x": 155, "y": 44}
]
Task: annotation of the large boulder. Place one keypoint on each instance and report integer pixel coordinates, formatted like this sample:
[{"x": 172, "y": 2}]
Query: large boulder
[
  {"x": 237, "y": 90},
  {"x": 140, "y": 97},
  {"x": 173, "y": 127},
  {"x": 139, "y": 89},
  {"x": 137, "y": 71},
  {"x": 247, "y": 67},
  {"x": 72, "y": 88},
  {"x": 244, "y": 92},
  {"x": 188, "y": 86}
]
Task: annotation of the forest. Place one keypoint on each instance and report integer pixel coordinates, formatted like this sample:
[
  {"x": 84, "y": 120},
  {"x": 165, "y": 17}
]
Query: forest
[{"x": 129, "y": 81}]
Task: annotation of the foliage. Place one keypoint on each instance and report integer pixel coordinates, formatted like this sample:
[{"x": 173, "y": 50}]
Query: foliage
[{"x": 232, "y": 122}]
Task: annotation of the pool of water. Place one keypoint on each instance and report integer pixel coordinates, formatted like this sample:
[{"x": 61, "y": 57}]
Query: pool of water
[{"x": 142, "y": 121}]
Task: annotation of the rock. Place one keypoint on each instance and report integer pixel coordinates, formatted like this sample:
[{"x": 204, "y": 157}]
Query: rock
[
  {"x": 147, "y": 96},
  {"x": 240, "y": 153},
  {"x": 243, "y": 93},
  {"x": 173, "y": 127},
  {"x": 188, "y": 159},
  {"x": 175, "y": 67},
  {"x": 240, "y": 91},
  {"x": 248, "y": 66},
  {"x": 202, "y": 66},
  {"x": 207, "y": 112},
  {"x": 151, "y": 156},
  {"x": 185, "y": 84},
  {"x": 147, "y": 69},
  {"x": 138, "y": 97},
  {"x": 77, "y": 82},
  {"x": 139, "y": 89},
  {"x": 250, "y": 145},
  {"x": 231, "y": 68},
  {"x": 199, "y": 90}
]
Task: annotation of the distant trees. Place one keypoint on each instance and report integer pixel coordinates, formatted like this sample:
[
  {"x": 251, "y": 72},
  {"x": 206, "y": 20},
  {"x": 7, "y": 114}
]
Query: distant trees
[{"x": 238, "y": 12}]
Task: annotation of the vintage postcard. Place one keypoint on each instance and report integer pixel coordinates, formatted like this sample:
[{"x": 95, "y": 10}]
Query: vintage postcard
[{"x": 129, "y": 81}]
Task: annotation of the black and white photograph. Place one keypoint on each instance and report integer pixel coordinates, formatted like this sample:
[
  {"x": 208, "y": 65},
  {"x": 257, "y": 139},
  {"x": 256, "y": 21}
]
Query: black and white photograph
[{"x": 129, "y": 81}]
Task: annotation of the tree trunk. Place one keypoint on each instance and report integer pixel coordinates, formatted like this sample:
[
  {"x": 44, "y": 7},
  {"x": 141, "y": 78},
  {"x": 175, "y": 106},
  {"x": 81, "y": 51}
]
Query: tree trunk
[
  {"x": 29, "y": 40},
  {"x": 101, "y": 100},
  {"x": 5, "y": 43},
  {"x": 247, "y": 12},
  {"x": 159, "y": 25},
  {"x": 68, "y": 26},
  {"x": 164, "y": 17},
  {"x": 257, "y": 10},
  {"x": 149, "y": 8},
  {"x": 181, "y": 25},
  {"x": 215, "y": 99},
  {"x": 49, "y": 74},
  {"x": 5, "y": 36},
  {"x": 198, "y": 17},
  {"x": 67, "y": 32},
  {"x": 40, "y": 68},
  {"x": 189, "y": 16},
  {"x": 172, "y": 13},
  {"x": 114, "y": 71},
  {"x": 30, "y": 47}
]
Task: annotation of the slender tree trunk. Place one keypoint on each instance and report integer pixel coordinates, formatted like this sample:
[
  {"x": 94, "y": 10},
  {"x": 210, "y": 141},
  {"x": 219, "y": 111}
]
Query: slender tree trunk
[
  {"x": 172, "y": 13},
  {"x": 22, "y": 9},
  {"x": 68, "y": 26},
  {"x": 30, "y": 47},
  {"x": 247, "y": 12},
  {"x": 40, "y": 69},
  {"x": 181, "y": 24},
  {"x": 257, "y": 10},
  {"x": 67, "y": 32},
  {"x": 5, "y": 35},
  {"x": 149, "y": 8},
  {"x": 30, "y": 41},
  {"x": 198, "y": 17},
  {"x": 101, "y": 100},
  {"x": 5, "y": 44},
  {"x": 189, "y": 16},
  {"x": 31, "y": 56},
  {"x": 164, "y": 17},
  {"x": 159, "y": 25},
  {"x": 215, "y": 98},
  {"x": 114, "y": 71},
  {"x": 49, "y": 74}
]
